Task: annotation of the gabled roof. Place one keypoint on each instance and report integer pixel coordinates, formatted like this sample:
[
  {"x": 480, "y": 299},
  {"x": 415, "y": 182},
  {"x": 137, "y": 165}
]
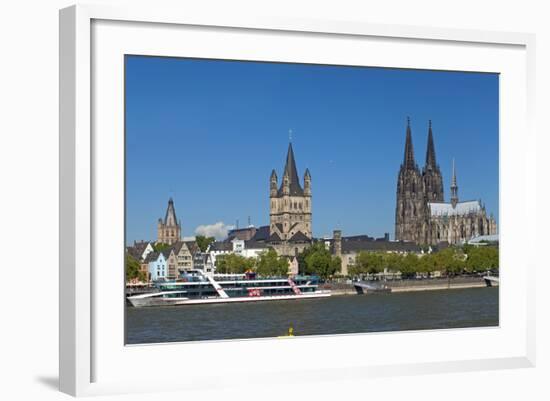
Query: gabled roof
[
  {"x": 141, "y": 246},
  {"x": 262, "y": 234},
  {"x": 251, "y": 244},
  {"x": 274, "y": 238},
  {"x": 176, "y": 246},
  {"x": 132, "y": 251},
  {"x": 359, "y": 243},
  {"x": 193, "y": 247},
  {"x": 484, "y": 238},
  {"x": 387, "y": 246},
  {"x": 299, "y": 237},
  {"x": 460, "y": 209},
  {"x": 221, "y": 246},
  {"x": 137, "y": 250},
  {"x": 166, "y": 252},
  {"x": 242, "y": 233},
  {"x": 153, "y": 256}
]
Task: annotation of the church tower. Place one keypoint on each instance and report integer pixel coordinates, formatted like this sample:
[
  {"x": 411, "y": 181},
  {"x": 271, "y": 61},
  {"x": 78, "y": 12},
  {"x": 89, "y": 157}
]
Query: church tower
[
  {"x": 290, "y": 205},
  {"x": 410, "y": 210},
  {"x": 454, "y": 187},
  {"x": 431, "y": 174},
  {"x": 169, "y": 229}
]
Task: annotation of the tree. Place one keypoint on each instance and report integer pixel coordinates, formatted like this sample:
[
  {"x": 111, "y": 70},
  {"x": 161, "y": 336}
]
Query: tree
[
  {"x": 234, "y": 264},
  {"x": 370, "y": 262},
  {"x": 426, "y": 263},
  {"x": 394, "y": 261},
  {"x": 270, "y": 264},
  {"x": 133, "y": 270},
  {"x": 409, "y": 265},
  {"x": 481, "y": 258},
  {"x": 451, "y": 260},
  {"x": 318, "y": 260},
  {"x": 203, "y": 242},
  {"x": 160, "y": 246}
]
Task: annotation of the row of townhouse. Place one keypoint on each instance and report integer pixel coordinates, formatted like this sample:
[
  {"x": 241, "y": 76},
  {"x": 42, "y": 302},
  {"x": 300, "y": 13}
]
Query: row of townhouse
[
  {"x": 170, "y": 263},
  {"x": 182, "y": 256}
]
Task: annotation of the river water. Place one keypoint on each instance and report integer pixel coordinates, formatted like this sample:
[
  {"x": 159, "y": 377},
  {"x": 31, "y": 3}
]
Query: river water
[{"x": 457, "y": 308}]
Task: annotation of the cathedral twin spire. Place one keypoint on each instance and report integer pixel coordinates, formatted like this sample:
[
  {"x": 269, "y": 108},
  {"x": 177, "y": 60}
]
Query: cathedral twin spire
[
  {"x": 431, "y": 175},
  {"x": 409, "y": 161}
]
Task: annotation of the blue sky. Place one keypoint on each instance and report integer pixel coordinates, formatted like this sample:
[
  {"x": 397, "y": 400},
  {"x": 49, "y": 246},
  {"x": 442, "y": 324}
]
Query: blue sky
[{"x": 208, "y": 133}]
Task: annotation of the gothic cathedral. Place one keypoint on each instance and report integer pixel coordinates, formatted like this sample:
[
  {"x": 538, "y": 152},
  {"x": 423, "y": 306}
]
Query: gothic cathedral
[{"x": 421, "y": 213}]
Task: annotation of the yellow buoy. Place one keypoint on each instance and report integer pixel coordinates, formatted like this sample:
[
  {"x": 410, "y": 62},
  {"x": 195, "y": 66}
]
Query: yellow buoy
[{"x": 290, "y": 333}]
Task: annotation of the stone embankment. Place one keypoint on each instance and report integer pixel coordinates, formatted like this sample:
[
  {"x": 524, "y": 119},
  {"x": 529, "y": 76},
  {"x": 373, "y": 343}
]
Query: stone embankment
[{"x": 411, "y": 285}]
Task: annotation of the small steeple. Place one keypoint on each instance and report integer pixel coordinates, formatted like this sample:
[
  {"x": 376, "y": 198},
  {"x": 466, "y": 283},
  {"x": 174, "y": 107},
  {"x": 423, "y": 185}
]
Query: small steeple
[
  {"x": 285, "y": 185},
  {"x": 273, "y": 184},
  {"x": 454, "y": 187},
  {"x": 307, "y": 183},
  {"x": 430, "y": 152},
  {"x": 408, "y": 160}
]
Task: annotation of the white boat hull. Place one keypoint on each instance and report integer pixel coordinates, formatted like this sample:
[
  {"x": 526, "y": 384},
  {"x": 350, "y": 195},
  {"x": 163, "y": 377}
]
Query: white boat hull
[
  {"x": 140, "y": 300},
  {"x": 491, "y": 281}
]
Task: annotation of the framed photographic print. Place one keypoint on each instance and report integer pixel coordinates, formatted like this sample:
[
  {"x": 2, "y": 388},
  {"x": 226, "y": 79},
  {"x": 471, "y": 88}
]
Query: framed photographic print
[{"x": 234, "y": 188}]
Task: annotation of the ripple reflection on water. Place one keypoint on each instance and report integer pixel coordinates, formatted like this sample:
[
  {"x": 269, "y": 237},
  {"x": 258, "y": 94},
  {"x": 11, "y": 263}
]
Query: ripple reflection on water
[{"x": 459, "y": 308}]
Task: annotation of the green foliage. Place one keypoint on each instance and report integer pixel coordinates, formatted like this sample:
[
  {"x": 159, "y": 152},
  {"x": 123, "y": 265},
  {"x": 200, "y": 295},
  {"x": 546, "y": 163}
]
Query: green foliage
[
  {"x": 133, "y": 270},
  {"x": 269, "y": 264},
  {"x": 370, "y": 262},
  {"x": 394, "y": 261},
  {"x": 426, "y": 263},
  {"x": 203, "y": 242},
  {"x": 481, "y": 259},
  {"x": 160, "y": 246},
  {"x": 235, "y": 264},
  {"x": 451, "y": 261},
  {"x": 318, "y": 260},
  {"x": 410, "y": 265}
]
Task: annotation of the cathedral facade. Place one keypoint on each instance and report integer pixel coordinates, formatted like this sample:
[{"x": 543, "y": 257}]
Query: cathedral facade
[
  {"x": 421, "y": 213},
  {"x": 290, "y": 209}
]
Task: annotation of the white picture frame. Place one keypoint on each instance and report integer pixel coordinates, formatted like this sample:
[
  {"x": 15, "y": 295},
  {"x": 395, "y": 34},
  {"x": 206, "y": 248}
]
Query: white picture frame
[{"x": 85, "y": 352}]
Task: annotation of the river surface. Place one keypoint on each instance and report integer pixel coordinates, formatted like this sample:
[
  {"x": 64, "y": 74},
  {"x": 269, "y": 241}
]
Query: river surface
[{"x": 443, "y": 309}]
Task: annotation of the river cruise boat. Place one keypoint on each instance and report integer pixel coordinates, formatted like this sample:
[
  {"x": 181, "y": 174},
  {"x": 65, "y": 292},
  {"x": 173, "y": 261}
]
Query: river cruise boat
[{"x": 196, "y": 288}]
